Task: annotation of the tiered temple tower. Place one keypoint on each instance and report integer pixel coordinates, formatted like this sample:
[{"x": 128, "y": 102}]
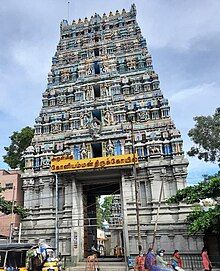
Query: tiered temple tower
[{"x": 102, "y": 93}]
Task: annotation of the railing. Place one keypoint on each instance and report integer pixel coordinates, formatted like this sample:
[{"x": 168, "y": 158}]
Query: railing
[{"x": 194, "y": 261}]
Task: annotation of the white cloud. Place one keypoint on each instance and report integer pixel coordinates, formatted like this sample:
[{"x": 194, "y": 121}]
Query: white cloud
[
  {"x": 176, "y": 24},
  {"x": 32, "y": 59},
  {"x": 195, "y": 101},
  {"x": 192, "y": 93}
]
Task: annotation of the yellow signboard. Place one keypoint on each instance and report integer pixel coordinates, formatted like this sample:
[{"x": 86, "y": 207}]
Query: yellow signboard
[{"x": 67, "y": 163}]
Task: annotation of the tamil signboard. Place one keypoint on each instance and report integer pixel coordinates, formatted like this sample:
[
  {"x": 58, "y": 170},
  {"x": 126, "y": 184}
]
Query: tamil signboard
[{"x": 67, "y": 163}]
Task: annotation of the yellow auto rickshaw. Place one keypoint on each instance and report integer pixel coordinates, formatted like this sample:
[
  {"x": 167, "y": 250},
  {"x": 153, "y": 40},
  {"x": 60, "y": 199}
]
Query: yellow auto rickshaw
[
  {"x": 13, "y": 256},
  {"x": 27, "y": 257}
]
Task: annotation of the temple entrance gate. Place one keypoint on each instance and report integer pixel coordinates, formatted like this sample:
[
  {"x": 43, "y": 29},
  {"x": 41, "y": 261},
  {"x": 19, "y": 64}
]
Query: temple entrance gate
[
  {"x": 102, "y": 237},
  {"x": 107, "y": 238}
]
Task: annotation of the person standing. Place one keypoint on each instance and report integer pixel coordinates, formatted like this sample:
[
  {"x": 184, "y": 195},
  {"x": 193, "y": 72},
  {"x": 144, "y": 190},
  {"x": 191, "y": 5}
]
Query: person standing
[
  {"x": 207, "y": 265},
  {"x": 176, "y": 261}
]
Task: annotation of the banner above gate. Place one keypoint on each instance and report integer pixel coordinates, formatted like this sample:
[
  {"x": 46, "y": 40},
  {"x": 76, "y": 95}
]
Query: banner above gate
[{"x": 67, "y": 163}]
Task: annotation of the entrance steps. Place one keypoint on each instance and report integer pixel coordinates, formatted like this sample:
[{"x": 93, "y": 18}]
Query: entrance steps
[{"x": 104, "y": 266}]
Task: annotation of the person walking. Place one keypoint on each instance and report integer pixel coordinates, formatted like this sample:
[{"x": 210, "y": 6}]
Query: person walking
[
  {"x": 206, "y": 263},
  {"x": 176, "y": 261}
]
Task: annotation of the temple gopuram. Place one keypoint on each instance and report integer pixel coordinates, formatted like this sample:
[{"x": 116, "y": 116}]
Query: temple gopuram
[{"x": 105, "y": 129}]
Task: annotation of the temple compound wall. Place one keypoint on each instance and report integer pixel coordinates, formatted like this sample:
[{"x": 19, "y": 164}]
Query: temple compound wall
[{"x": 103, "y": 101}]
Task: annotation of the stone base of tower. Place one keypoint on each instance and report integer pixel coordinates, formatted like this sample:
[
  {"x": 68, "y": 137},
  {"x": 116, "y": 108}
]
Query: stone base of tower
[
  {"x": 77, "y": 192},
  {"x": 71, "y": 243}
]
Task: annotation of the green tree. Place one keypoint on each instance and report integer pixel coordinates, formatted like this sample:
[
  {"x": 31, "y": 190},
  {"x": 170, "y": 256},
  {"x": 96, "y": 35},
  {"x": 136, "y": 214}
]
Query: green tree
[
  {"x": 205, "y": 135},
  {"x": 204, "y": 218},
  {"x": 6, "y": 206},
  {"x": 104, "y": 210},
  {"x": 19, "y": 142},
  {"x": 201, "y": 219}
]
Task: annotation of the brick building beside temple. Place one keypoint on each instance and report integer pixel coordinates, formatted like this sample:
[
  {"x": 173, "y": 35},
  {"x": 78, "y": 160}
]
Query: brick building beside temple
[
  {"x": 104, "y": 129},
  {"x": 11, "y": 180}
]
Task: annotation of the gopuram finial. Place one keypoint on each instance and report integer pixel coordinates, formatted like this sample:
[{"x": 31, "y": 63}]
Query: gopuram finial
[{"x": 133, "y": 9}]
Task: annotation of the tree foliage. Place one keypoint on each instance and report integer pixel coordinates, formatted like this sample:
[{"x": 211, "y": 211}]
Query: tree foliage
[
  {"x": 203, "y": 221},
  {"x": 200, "y": 220},
  {"x": 209, "y": 188},
  {"x": 104, "y": 210},
  {"x": 6, "y": 206},
  {"x": 205, "y": 135},
  {"x": 19, "y": 142}
]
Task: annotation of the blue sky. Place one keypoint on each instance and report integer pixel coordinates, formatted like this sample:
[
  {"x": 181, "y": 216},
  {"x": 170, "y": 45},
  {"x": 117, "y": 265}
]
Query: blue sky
[{"x": 182, "y": 36}]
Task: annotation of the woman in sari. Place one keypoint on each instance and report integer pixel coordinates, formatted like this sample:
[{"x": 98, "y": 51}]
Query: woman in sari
[
  {"x": 176, "y": 261},
  {"x": 207, "y": 265}
]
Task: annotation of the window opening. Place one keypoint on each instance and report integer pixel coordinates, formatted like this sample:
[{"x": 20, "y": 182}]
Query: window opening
[
  {"x": 66, "y": 126},
  {"x": 46, "y": 129},
  {"x": 9, "y": 185},
  {"x": 96, "y": 51},
  {"x": 76, "y": 124},
  {"x": 143, "y": 137},
  {"x": 96, "y": 91},
  {"x": 96, "y": 67},
  {"x": 117, "y": 148},
  {"x": 167, "y": 149},
  {"x": 97, "y": 149},
  {"x": 145, "y": 152},
  {"x": 96, "y": 114},
  {"x": 76, "y": 152},
  {"x": 96, "y": 39},
  {"x": 96, "y": 28},
  {"x": 37, "y": 162},
  {"x": 139, "y": 151}
]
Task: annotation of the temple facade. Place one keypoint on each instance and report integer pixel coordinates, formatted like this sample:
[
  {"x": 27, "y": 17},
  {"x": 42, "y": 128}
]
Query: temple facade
[{"x": 105, "y": 129}]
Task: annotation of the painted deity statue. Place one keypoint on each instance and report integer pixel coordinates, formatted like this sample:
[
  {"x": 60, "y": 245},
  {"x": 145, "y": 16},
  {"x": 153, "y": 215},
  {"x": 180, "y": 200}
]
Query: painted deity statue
[
  {"x": 110, "y": 148},
  {"x": 84, "y": 151},
  {"x": 108, "y": 117},
  {"x": 84, "y": 119}
]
